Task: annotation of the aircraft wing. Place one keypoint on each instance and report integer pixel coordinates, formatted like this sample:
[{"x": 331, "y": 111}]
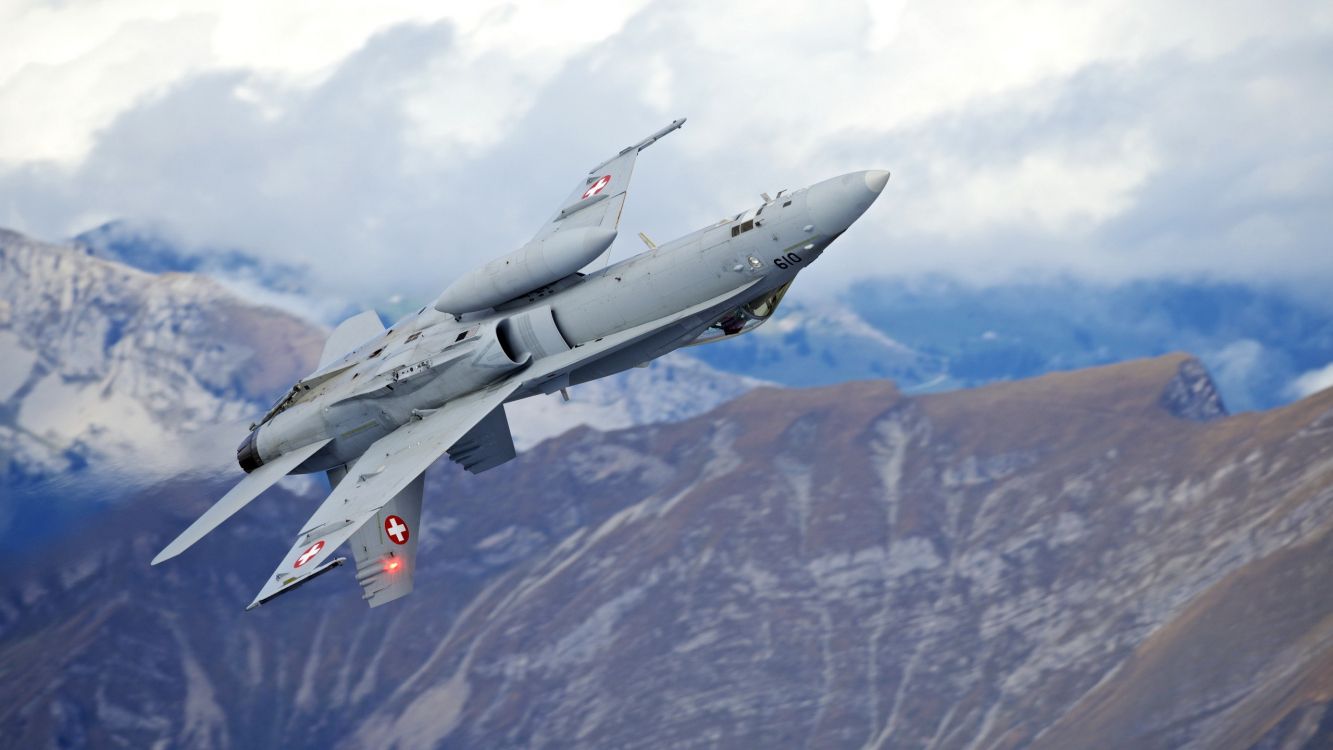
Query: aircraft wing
[
  {"x": 387, "y": 466},
  {"x": 598, "y": 196},
  {"x": 238, "y": 497}
]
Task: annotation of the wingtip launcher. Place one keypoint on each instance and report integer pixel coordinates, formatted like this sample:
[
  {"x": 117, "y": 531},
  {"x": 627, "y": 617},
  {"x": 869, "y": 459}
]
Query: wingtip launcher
[
  {"x": 641, "y": 145},
  {"x": 321, "y": 570}
]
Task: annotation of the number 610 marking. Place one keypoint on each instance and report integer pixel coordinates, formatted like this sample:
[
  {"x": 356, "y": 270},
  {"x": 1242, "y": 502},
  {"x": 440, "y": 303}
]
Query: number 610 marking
[{"x": 787, "y": 261}]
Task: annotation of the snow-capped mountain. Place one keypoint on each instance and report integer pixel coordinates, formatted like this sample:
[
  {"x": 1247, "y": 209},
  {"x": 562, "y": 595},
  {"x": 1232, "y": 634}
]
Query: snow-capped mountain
[
  {"x": 254, "y": 278},
  {"x": 109, "y": 369}
]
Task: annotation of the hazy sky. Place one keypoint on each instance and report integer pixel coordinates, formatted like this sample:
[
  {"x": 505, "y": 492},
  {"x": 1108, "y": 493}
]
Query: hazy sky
[{"x": 392, "y": 145}]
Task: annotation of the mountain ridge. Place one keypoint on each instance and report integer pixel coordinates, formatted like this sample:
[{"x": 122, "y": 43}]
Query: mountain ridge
[{"x": 843, "y": 566}]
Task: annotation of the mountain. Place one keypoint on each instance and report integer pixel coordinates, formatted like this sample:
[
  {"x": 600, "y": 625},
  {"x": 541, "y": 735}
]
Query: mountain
[
  {"x": 1256, "y": 341},
  {"x": 108, "y": 369},
  {"x": 809, "y": 343},
  {"x": 1099, "y": 558}
]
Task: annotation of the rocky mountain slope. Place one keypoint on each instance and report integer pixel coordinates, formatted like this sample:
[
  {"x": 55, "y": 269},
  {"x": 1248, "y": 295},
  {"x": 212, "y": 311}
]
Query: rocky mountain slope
[{"x": 1099, "y": 558}]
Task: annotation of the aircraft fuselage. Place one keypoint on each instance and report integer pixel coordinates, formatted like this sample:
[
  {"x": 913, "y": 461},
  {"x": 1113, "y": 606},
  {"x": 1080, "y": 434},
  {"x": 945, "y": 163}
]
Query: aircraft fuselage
[{"x": 430, "y": 357}]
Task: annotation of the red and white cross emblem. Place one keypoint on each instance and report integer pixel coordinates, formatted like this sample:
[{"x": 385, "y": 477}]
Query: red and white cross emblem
[
  {"x": 310, "y": 552},
  {"x": 596, "y": 187},
  {"x": 396, "y": 530}
]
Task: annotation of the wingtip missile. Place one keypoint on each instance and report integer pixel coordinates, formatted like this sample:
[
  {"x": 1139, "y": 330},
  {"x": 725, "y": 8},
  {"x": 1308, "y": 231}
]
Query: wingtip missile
[
  {"x": 650, "y": 140},
  {"x": 321, "y": 570}
]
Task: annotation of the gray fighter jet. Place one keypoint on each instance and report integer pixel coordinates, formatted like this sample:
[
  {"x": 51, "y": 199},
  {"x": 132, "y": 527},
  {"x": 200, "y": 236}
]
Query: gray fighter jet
[{"x": 383, "y": 405}]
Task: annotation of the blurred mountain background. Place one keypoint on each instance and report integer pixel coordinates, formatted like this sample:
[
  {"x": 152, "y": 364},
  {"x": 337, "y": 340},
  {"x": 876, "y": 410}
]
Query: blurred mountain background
[
  {"x": 1264, "y": 345},
  {"x": 995, "y": 549}
]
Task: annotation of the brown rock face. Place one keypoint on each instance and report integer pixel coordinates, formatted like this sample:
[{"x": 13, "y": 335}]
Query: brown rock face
[{"x": 1086, "y": 559}]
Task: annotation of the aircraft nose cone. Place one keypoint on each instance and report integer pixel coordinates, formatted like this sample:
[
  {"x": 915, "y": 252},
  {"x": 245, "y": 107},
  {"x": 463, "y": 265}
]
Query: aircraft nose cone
[
  {"x": 876, "y": 179},
  {"x": 836, "y": 203}
]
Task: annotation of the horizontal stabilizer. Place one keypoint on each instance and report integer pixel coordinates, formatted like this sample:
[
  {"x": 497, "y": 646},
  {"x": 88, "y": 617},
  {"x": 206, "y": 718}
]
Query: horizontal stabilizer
[{"x": 238, "y": 497}]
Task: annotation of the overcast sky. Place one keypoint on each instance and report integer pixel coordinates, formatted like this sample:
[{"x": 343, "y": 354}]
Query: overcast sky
[{"x": 392, "y": 145}]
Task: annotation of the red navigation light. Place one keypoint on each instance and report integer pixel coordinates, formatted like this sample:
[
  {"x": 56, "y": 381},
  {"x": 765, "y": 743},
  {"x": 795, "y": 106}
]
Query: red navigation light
[{"x": 392, "y": 565}]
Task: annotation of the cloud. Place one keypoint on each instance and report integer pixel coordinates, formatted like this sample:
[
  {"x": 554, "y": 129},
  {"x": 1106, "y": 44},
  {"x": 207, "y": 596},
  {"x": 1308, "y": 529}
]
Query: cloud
[
  {"x": 389, "y": 151},
  {"x": 68, "y": 70},
  {"x": 1311, "y": 382}
]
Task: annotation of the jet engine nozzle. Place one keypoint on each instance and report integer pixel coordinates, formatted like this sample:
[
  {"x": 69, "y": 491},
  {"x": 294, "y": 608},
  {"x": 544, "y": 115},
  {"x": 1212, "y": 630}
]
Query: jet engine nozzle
[
  {"x": 247, "y": 455},
  {"x": 837, "y": 202}
]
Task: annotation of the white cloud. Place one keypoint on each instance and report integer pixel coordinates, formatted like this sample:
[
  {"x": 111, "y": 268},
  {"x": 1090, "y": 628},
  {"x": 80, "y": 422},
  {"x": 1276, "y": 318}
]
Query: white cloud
[
  {"x": 1063, "y": 188},
  {"x": 68, "y": 70},
  {"x": 1311, "y": 382},
  {"x": 372, "y": 141}
]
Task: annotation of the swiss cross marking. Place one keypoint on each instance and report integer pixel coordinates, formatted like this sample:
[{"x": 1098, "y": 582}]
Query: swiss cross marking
[
  {"x": 396, "y": 529},
  {"x": 310, "y": 552},
  {"x": 596, "y": 187}
]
